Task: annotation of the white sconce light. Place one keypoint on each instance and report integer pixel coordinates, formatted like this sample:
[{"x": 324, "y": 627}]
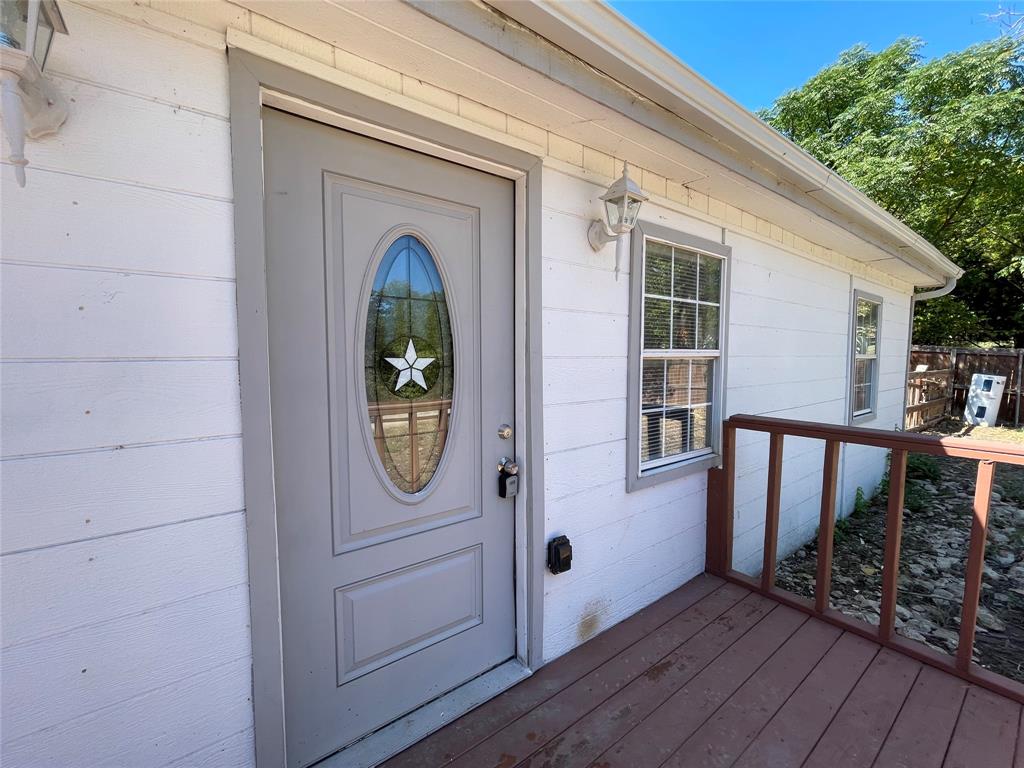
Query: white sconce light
[
  {"x": 31, "y": 105},
  {"x": 622, "y": 204}
]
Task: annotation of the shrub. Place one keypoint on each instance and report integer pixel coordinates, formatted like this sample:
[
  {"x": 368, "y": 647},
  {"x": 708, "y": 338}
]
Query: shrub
[
  {"x": 921, "y": 466},
  {"x": 861, "y": 503}
]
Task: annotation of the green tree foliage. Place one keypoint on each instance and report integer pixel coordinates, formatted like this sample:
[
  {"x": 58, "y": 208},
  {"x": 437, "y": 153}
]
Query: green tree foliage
[{"x": 940, "y": 144}]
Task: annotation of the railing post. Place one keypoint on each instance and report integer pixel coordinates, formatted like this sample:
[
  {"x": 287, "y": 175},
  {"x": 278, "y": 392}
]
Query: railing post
[
  {"x": 975, "y": 563},
  {"x": 771, "y": 519},
  {"x": 713, "y": 534},
  {"x": 893, "y": 537},
  {"x": 728, "y": 494},
  {"x": 826, "y": 525}
]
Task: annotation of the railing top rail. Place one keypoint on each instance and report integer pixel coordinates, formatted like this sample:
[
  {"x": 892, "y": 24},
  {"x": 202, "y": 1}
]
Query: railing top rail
[
  {"x": 409, "y": 405},
  {"x": 981, "y": 450},
  {"x": 925, "y": 374}
]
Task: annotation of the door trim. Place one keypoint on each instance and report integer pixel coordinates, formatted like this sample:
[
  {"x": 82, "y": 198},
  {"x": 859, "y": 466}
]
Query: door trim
[{"x": 255, "y": 82}]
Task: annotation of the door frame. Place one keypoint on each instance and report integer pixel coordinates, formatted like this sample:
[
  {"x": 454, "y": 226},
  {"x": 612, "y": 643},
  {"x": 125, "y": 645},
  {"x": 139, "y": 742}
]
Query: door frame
[{"x": 255, "y": 82}]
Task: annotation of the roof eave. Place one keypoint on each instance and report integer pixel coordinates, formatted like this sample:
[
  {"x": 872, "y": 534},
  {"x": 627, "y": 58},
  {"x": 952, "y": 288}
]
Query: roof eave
[{"x": 596, "y": 33}]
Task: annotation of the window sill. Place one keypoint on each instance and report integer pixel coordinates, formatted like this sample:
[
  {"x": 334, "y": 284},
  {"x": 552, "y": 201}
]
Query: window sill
[
  {"x": 668, "y": 472},
  {"x": 863, "y": 418}
]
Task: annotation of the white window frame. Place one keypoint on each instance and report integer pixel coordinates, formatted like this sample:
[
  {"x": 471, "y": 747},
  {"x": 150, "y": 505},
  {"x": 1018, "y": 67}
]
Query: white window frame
[
  {"x": 871, "y": 412},
  {"x": 644, "y": 474}
]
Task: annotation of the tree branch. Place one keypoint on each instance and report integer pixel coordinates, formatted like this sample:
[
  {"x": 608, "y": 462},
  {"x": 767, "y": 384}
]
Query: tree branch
[{"x": 956, "y": 208}]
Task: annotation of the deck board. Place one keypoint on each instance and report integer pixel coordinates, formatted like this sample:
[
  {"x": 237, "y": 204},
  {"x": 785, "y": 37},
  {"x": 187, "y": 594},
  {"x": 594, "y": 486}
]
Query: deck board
[
  {"x": 475, "y": 726},
  {"x": 722, "y": 739},
  {"x": 790, "y": 735},
  {"x": 1019, "y": 761},
  {"x": 701, "y": 667},
  {"x": 522, "y": 737},
  {"x": 986, "y": 733},
  {"x": 713, "y": 676},
  {"x": 860, "y": 727},
  {"x": 923, "y": 729}
]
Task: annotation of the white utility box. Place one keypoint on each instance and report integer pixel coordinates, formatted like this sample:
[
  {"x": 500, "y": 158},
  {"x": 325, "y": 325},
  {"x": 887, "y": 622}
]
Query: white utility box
[{"x": 983, "y": 399}]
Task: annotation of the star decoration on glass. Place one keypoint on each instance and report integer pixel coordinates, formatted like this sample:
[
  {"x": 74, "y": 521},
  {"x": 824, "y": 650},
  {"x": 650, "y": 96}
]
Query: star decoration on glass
[{"x": 410, "y": 367}]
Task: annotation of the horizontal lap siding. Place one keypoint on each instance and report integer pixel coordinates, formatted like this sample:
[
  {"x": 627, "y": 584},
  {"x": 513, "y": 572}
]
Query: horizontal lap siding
[
  {"x": 628, "y": 549},
  {"x": 789, "y": 357},
  {"x": 125, "y": 624},
  {"x": 788, "y": 336},
  {"x": 864, "y": 466}
]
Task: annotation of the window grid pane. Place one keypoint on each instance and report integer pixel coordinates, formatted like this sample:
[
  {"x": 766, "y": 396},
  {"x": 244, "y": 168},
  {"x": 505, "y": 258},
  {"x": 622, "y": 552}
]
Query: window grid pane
[
  {"x": 865, "y": 350},
  {"x": 681, "y": 298},
  {"x": 863, "y": 382},
  {"x": 681, "y": 314},
  {"x": 867, "y": 327},
  {"x": 676, "y": 398}
]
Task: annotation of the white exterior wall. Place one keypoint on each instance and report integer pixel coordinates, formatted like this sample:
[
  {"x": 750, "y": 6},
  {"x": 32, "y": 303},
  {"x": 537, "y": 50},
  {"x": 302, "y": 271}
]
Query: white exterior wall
[
  {"x": 124, "y": 582},
  {"x": 788, "y": 356},
  {"x": 124, "y": 587},
  {"x": 628, "y": 548}
]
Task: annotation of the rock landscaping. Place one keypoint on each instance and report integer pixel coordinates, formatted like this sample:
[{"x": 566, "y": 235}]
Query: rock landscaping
[{"x": 936, "y": 532}]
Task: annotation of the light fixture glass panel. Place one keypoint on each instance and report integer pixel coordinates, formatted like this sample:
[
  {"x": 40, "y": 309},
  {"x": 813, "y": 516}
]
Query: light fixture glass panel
[
  {"x": 658, "y": 269},
  {"x": 614, "y": 214},
  {"x": 409, "y": 355},
  {"x": 684, "y": 325},
  {"x": 13, "y": 23},
  {"x": 657, "y": 315},
  {"x": 44, "y": 36},
  {"x": 685, "y": 278},
  {"x": 14, "y": 29},
  {"x": 632, "y": 212},
  {"x": 710, "y": 279}
]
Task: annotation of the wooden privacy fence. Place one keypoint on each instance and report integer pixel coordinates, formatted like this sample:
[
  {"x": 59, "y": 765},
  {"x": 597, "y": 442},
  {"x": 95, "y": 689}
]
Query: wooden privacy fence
[
  {"x": 721, "y": 509},
  {"x": 941, "y": 389},
  {"x": 928, "y": 397}
]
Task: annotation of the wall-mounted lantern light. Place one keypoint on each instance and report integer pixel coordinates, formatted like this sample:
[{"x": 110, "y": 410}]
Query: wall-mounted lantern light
[
  {"x": 622, "y": 204},
  {"x": 31, "y": 105}
]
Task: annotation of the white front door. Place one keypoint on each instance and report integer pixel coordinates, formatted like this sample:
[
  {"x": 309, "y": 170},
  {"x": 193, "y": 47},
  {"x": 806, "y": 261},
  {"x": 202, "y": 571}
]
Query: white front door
[{"x": 385, "y": 267}]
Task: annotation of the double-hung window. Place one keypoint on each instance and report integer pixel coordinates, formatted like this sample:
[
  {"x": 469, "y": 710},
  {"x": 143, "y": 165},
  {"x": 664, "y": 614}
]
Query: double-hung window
[
  {"x": 867, "y": 315},
  {"x": 676, "y": 320}
]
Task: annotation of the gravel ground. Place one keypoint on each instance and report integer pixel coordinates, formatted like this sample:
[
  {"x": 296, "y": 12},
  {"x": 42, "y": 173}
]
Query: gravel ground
[{"x": 936, "y": 532}]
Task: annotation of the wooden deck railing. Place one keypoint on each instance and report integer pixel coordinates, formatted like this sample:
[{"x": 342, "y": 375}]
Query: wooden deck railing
[{"x": 721, "y": 512}]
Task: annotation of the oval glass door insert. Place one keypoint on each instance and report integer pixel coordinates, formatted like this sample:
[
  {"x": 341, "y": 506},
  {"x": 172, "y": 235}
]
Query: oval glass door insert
[{"x": 409, "y": 364}]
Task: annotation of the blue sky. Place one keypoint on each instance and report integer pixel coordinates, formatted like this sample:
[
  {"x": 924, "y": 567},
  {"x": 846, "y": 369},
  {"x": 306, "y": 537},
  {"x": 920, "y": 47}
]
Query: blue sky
[{"x": 755, "y": 51}]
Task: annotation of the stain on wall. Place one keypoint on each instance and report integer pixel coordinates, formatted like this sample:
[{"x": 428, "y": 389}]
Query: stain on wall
[{"x": 591, "y": 622}]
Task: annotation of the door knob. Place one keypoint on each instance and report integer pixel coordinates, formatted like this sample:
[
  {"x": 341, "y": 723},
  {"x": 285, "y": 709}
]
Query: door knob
[{"x": 508, "y": 466}]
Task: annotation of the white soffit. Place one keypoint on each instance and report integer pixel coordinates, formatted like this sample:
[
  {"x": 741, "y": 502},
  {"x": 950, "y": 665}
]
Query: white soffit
[
  {"x": 496, "y": 64},
  {"x": 609, "y": 42}
]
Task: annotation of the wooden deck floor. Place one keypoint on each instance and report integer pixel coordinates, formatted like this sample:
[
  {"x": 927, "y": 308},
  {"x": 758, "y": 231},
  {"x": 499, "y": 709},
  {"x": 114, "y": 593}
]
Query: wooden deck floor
[{"x": 714, "y": 675}]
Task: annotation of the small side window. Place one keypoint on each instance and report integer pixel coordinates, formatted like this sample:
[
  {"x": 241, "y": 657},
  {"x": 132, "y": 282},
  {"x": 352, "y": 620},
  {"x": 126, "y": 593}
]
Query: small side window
[
  {"x": 867, "y": 319},
  {"x": 676, "y": 332}
]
